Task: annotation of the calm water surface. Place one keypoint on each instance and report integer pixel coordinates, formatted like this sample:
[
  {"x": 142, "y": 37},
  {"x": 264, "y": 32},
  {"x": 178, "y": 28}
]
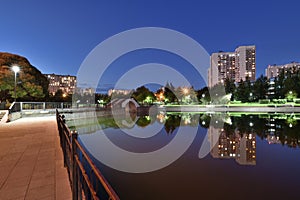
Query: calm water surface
[{"x": 254, "y": 157}]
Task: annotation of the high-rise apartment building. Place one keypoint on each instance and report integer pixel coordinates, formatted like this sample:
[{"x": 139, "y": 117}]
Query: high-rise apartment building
[
  {"x": 66, "y": 83},
  {"x": 274, "y": 70},
  {"x": 237, "y": 65},
  {"x": 222, "y": 65}
]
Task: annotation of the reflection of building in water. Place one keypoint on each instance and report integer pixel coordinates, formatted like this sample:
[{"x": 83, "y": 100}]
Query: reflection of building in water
[
  {"x": 246, "y": 149},
  {"x": 225, "y": 146},
  {"x": 277, "y": 132},
  {"x": 272, "y": 132},
  {"x": 241, "y": 147},
  {"x": 272, "y": 139}
]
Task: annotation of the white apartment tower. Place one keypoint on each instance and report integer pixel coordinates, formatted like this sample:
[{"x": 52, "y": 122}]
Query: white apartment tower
[
  {"x": 273, "y": 70},
  {"x": 236, "y": 65},
  {"x": 66, "y": 83}
]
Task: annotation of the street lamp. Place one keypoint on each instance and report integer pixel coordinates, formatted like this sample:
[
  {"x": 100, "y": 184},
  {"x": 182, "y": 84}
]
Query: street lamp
[
  {"x": 185, "y": 91},
  {"x": 250, "y": 96},
  {"x": 16, "y": 69}
]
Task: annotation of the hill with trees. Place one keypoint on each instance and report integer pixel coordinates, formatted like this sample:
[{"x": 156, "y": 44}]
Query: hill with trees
[{"x": 32, "y": 85}]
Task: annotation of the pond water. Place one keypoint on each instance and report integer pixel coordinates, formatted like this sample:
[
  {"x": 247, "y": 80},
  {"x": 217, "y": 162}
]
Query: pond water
[{"x": 248, "y": 157}]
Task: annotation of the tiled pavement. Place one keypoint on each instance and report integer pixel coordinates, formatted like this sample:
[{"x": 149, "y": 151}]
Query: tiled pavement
[{"x": 31, "y": 161}]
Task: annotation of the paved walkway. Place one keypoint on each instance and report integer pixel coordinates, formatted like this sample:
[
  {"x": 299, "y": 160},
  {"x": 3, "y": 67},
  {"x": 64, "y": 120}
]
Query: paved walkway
[{"x": 31, "y": 161}]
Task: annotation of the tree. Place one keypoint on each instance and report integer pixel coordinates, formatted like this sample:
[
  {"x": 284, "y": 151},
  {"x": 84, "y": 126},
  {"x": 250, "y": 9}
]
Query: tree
[
  {"x": 203, "y": 95},
  {"x": 141, "y": 94},
  {"x": 291, "y": 95},
  {"x": 186, "y": 95},
  {"x": 169, "y": 93},
  {"x": 58, "y": 96},
  {"x": 159, "y": 94},
  {"x": 229, "y": 86},
  {"x": 289, "y": 84},
  {"x": 242, "y": 92},
  {"x": 217, "y": 92},
  {"x": 102, "y": 98},
  {"x": 260, "y": 87},
  {"x": 31, "y": 83},
  {"x": 279, "y": 81}
]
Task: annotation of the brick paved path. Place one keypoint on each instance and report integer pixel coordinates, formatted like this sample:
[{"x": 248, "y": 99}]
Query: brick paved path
[{"x": 31, "y": 161}]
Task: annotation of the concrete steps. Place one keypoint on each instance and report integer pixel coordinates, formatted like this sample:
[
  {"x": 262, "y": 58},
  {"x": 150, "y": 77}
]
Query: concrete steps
[{"x": 3, "y": 116}]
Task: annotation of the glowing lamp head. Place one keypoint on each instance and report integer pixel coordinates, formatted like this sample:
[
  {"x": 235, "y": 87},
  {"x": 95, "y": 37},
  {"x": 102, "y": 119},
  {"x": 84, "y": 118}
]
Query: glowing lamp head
[
  {"x": 15, "y": 68},
  {"x": 185, "y": 90}
]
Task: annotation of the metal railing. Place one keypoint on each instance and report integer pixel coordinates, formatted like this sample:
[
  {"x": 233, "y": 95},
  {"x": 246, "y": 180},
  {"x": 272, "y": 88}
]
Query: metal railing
[
  {"x": 44, "y": 105},
  {"x": 86, "y": 180},
  {"x": 21, "y": 106}
]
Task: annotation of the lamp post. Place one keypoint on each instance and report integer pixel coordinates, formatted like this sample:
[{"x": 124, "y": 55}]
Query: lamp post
[{"x": 16, "y": 69}]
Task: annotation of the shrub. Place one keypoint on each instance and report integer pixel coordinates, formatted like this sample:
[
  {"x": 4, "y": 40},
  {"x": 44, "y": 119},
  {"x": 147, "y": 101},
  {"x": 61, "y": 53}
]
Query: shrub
[{"x": 264, "y": 101}]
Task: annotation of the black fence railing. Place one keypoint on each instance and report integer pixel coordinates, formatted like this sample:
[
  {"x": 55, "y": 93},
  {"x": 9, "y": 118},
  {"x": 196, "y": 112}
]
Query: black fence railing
[{"x": 86, "y": 180}]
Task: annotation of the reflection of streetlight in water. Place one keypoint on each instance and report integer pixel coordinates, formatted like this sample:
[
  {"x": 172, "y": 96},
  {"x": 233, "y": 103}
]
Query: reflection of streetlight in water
[{"x": 161, "y": 117}]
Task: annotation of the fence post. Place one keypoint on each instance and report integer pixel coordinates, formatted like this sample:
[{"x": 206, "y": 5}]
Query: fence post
[{"x": 74, "y": 167}]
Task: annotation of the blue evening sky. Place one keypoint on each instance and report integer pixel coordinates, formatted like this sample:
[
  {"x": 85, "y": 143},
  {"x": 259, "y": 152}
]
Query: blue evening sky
[{"x": 56, "y": 36}]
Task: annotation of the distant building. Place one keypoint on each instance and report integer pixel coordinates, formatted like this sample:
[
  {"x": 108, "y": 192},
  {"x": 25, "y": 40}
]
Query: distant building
[
  {"x": 119, "y": 92},
  {"x": 66, "y": 83},
  {"x": 85, "y": 91},
  {"x": 273, "y": 71},
  {"x": 236, "y": 65},
  {"x": 272, "y": 139}
]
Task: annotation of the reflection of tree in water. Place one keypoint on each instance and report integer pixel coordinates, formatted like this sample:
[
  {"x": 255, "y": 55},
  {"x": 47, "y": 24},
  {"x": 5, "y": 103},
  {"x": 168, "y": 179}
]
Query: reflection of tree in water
[
  {"x": 282, "y": 129},
  {"x": 204, "y": 120},
  {"x": 143, "y": 121},
  {"x": 183, "y": 119},
  {"x": 287, "y": 134},
  {"x": 286, "y": 131},
  {"x": 190, "y": 119},
  {"x": 172, "y": 122}
]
